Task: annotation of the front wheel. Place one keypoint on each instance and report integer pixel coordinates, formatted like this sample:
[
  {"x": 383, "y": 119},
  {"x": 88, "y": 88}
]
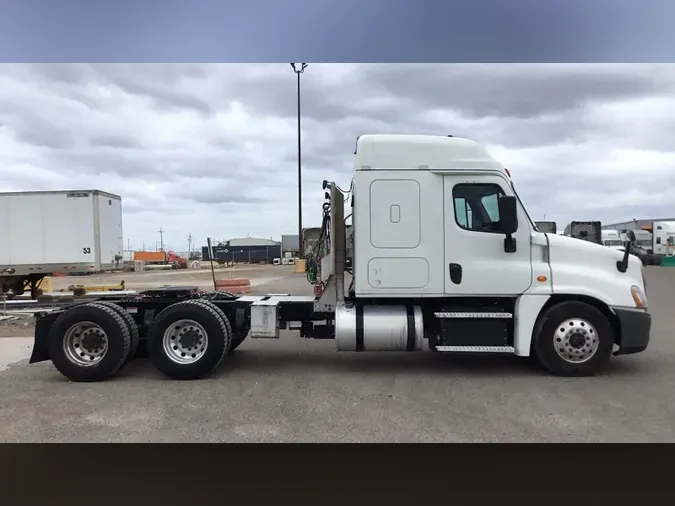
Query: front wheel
[{"x": 573, "y": 339}]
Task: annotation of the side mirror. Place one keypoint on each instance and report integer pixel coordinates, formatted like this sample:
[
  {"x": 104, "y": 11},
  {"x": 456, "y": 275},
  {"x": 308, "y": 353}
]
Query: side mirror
[
  {"x": 630, "y": 235},
  {"x": 508, "y": 214},
  {"x": 508, "y": 221}
]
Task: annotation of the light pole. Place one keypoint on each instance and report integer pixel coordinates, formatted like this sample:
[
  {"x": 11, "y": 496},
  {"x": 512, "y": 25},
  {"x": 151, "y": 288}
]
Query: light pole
[{"x": 299, "y": 68}]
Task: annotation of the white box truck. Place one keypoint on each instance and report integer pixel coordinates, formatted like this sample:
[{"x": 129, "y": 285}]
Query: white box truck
[{"x": 44, "y": 232}]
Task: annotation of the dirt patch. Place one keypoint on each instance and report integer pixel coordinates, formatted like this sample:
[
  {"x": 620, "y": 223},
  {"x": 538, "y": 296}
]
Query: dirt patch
[{"x": 24, "y": 327}]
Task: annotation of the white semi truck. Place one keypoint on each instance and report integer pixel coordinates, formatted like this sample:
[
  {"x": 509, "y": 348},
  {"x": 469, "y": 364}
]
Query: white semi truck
[
  {"x": 612, "y": 239},
  {"x": 44, "y": 232},
  {"x": 662, "y": 238},
  {"x": 446, "y": 258}
]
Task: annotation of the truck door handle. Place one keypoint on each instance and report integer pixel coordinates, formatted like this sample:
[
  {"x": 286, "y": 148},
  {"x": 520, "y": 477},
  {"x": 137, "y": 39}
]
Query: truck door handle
[{"x": 456, "y": 273}]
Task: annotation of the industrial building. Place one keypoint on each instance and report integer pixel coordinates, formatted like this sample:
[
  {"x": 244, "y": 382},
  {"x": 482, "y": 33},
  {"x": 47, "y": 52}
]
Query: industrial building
[
  {"x": 634, "y": 224},
  {"x": 244, "y": 250}
]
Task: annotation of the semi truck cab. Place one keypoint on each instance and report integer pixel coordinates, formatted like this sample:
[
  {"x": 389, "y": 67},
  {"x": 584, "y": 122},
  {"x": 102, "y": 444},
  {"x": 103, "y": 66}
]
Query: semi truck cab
[
  {"x": 442, "y": 239},
  {"x": 612, "y": 239}
]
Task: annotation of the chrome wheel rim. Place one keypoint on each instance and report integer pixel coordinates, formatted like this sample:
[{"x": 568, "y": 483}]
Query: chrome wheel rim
[
  {"x": 85, "y": 344},
  {"x": 576, "y": 340},
  {"x": 185, "y": 342}
]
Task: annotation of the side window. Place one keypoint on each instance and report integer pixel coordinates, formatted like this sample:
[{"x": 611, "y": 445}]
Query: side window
[
  {"x": 462, "y": 212},
  {"x": 491, "y": 206},
  {"x": 477, "y": 206}
]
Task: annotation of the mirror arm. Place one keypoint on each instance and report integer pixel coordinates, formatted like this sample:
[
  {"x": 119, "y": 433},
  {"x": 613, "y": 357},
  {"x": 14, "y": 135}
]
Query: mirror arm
[{"x": 622, "y": 265}]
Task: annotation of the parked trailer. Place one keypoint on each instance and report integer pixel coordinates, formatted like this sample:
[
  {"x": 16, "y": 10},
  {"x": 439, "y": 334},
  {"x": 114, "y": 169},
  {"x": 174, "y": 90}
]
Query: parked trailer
[
  {"x": 481, "y": 280},
  {"x": 44, "y": 232},
  {"x": 547, "y": 227},
  {"x": 590, "y": 231}
]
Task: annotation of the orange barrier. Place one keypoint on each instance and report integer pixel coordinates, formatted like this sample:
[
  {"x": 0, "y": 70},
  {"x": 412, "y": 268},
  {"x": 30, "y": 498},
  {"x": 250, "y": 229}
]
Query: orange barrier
[{"x": 236, "y": 285}]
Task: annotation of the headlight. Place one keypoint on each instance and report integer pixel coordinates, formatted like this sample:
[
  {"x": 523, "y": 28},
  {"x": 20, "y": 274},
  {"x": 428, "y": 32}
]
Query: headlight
[{"x": 638, "y": 296}]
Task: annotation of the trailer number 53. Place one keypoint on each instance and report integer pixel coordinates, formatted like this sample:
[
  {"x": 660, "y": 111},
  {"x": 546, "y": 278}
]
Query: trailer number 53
[{"x": 86, "y": 251}]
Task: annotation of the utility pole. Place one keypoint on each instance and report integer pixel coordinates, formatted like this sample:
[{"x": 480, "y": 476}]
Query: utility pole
[
  {"x": 299, "y": 69},
  {"x": 189, "y": 245},
  {"x": 161, "y": 239}
]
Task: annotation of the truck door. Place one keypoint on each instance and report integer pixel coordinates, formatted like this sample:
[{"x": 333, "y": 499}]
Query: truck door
[{"x": 475, "y": 261}]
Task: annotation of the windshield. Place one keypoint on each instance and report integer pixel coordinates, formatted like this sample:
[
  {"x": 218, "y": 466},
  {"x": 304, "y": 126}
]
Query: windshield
[{"x": 534, "y": 226}]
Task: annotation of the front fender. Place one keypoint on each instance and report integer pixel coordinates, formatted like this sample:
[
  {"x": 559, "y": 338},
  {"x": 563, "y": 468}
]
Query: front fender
[{"x": 613, "y": 289}]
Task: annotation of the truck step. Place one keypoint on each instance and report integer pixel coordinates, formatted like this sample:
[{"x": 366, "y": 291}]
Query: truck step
[
  {"x": 474, "y": 315},
  {"x": 476, "y": 349}
]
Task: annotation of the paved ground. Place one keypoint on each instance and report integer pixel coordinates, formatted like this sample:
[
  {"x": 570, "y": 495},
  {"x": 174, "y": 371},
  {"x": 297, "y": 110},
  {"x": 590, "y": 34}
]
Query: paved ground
[
  {"x": 258, "y": 274},
  {"x": 295, "y": 390}
]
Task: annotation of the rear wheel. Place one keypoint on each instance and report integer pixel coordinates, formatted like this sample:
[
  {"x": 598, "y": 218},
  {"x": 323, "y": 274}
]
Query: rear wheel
[
  {"x": 573, "y": 339},
  {"x": 131, "y": 324},
  {"x": 89, "y": 343},
  {"x": 188, "y": 340}
]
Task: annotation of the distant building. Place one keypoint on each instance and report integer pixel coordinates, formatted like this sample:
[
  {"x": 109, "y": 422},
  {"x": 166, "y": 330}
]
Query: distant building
[
  {"x": 251, "y": 241},
  {"x": 633, "y": 224}
]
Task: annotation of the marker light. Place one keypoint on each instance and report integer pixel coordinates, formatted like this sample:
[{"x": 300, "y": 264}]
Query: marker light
[{"x": 639, "y": 297}]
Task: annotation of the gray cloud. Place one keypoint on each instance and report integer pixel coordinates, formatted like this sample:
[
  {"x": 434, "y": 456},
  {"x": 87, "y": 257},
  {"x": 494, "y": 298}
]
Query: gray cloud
[
  {"x": 518, "y": 91},
  {"x": 211, "y": 149}
]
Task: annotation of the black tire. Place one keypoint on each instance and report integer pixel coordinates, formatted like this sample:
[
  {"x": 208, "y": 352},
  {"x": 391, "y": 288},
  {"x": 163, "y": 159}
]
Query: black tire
[
  {"x": 551, "y": 320},
  {"x": 218, "y": 332},
  {"x": 118, "y": 341},
  {"x": 238, "y": 338},
  {"x": 131, "y": 324}
]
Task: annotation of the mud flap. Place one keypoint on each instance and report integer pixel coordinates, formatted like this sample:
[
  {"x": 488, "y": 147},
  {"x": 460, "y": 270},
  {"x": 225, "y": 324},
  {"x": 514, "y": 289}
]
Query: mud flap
[{"x": 43, "y": 324}]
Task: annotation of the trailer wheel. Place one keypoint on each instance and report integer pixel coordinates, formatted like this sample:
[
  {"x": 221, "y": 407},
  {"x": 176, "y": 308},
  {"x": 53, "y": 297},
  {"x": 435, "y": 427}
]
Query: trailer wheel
[
  {"x": 188, "y": 340},
  {"x": 89, "y": 342},
  {"x": 573, "y": 339},
  {"x": 131, "y": 324}
]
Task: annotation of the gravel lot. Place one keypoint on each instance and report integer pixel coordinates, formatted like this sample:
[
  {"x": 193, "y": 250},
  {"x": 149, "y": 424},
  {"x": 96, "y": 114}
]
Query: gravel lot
[{"x": 295, "y": 390}]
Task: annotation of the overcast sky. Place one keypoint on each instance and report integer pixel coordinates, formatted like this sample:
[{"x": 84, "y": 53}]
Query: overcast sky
[{"x": 211, "y": 149}]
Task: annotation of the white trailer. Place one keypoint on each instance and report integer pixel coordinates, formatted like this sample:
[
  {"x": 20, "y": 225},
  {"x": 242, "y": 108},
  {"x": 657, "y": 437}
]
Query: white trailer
[
  {"x": 43, "y": 232},
  {"x": 663, "y": 238}
]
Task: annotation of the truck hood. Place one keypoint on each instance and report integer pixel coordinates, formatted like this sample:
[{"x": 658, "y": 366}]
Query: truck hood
[
  {"x": 590, "y": 269},
  {"x": 566, "y": 243}
]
